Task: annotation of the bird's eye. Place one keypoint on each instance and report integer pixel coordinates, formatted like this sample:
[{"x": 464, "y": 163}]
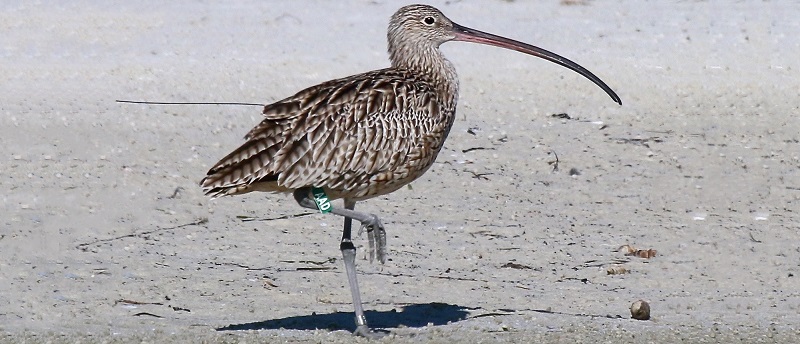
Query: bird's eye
[{"x": 429, "y": 20}]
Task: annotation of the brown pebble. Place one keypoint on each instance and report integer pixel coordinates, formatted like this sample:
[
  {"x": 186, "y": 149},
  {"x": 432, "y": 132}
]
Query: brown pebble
[
  {"x": 647, "y": 254},
  {"x": 640, "y": 310}
]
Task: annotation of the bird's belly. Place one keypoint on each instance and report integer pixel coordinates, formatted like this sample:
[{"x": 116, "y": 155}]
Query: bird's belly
[
  {"x": 381, "y": 183},
  {"x": 414, "y": 165}
]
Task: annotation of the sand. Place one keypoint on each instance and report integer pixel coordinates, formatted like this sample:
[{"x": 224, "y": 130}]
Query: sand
[{"x": 106, "y": 236}]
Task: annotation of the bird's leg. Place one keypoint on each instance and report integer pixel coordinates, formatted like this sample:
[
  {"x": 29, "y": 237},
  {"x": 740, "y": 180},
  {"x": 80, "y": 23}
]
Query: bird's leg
[
  {"x": 370, "y": 222},
  {"x": 349, "y": 255},
  {"x": 376, "y": 237}
]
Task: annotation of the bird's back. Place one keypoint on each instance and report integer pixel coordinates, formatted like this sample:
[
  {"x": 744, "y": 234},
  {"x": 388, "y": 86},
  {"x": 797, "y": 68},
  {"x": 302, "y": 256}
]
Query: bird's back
[{"x": 357, "y": 137}]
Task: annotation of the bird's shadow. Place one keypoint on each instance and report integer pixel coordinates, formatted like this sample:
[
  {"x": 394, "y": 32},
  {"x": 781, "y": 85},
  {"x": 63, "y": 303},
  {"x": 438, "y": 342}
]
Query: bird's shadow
[{"x": 416, "y": 315}]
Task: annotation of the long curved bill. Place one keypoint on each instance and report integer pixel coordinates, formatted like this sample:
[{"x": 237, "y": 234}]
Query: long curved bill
[{"x": 466, "y": 34}]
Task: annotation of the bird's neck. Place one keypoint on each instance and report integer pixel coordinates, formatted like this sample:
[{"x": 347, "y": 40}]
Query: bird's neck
[{"x": 432, "y": 64}]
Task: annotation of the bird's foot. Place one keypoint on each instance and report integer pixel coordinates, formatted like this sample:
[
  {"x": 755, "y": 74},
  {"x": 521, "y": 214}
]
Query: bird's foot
[
  {"x": 376, "y": 238},
  {"x": 366, "y": 332}
]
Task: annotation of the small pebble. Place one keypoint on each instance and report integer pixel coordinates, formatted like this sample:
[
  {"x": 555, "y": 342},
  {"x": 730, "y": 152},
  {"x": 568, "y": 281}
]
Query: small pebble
[{"x": 640, "y": 310}]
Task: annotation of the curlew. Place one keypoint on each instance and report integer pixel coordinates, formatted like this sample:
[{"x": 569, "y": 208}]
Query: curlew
[{"x": 364, "y": 135}]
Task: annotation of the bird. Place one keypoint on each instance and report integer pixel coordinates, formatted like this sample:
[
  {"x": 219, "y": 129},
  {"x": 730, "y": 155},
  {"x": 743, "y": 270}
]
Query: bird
[{"x": 366, "y": 135}]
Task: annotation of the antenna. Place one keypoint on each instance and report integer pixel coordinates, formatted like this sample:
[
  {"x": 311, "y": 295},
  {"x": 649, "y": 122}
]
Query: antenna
[{"x": 185, "y": 103}]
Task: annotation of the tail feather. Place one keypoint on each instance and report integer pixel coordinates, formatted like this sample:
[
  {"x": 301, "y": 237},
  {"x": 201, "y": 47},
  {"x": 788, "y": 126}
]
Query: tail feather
[{"x": 217, "y": 184}]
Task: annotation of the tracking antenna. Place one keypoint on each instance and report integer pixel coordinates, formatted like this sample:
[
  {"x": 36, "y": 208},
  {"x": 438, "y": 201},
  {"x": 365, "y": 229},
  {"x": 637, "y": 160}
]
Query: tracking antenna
[{"x": 186, "y": 103}]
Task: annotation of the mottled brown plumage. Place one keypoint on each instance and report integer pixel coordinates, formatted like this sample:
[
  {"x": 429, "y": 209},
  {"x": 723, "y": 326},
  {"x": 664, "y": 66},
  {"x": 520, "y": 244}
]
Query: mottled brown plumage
[
  {"x": 357, "y": 137},
  {"x": 365, "y": 135}
]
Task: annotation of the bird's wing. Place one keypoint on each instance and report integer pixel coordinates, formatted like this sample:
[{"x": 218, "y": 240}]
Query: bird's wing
[{"x": 339, "y": 134}]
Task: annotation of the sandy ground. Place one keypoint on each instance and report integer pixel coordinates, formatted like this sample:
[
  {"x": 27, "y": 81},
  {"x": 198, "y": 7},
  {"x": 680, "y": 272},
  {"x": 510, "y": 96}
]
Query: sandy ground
[{"x": 107, "y": 238}]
